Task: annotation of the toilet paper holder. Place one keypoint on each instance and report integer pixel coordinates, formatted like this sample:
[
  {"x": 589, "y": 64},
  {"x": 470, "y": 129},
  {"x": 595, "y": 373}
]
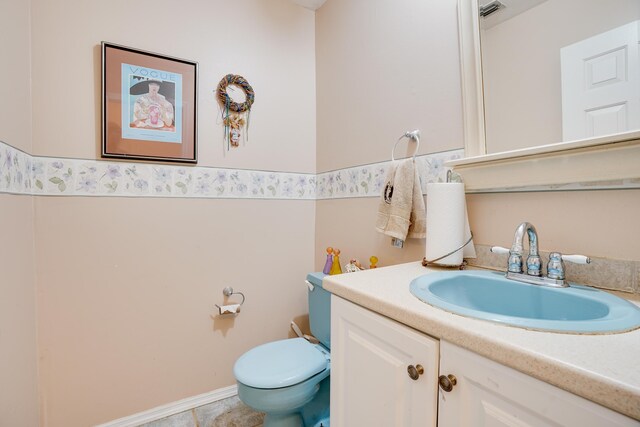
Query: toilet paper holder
[{"x": 230, "y": 309}]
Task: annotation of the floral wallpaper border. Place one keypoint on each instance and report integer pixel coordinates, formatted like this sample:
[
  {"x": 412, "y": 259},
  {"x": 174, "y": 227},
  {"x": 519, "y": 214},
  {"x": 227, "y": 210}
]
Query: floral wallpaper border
[
  {"x": 21, "y": 173},
  {"x": 368, "y": 180}
]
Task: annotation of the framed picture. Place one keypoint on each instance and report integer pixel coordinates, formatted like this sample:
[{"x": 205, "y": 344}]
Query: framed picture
[{"x": 149, "y": 104}]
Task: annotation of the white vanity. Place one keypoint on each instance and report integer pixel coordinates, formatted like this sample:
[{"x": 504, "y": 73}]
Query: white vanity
[{"x": 389, "y": 350}]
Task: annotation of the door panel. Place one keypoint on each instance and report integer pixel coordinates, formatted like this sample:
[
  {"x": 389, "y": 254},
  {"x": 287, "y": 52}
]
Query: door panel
[
  {"x": 601, "y": 84},
  {"x": 370, "y": 385},
  {"x": 488, "y": 394}
]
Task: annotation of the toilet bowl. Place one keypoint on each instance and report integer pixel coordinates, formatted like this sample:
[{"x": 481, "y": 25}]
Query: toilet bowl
[
  {"x": 280, "y": 378},
  {"x": 289, "y": 380}
]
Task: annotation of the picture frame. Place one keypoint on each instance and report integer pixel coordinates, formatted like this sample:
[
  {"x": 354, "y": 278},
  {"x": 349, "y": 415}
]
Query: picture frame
[{"x": 149, "y": 105}]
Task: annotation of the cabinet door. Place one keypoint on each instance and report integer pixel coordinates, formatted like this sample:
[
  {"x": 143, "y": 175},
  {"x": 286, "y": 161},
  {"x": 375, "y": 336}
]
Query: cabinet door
[
  {"x": 370, "y": 384},
  {"x": 489, "y": 394}
]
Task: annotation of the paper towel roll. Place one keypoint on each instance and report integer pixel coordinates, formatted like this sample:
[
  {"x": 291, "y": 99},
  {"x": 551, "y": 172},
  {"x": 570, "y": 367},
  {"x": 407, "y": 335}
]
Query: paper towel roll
[{"x": 446, "y": 219}]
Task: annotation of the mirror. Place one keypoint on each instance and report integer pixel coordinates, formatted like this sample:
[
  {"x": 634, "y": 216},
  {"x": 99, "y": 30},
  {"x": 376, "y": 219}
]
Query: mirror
[
  {"x": 558, "y": 70},
  {"x": 530, "y": 153}
]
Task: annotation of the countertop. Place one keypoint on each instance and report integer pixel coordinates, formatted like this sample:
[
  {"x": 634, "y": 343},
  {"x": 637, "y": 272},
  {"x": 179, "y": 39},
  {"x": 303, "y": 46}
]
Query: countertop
[{"x": 602, "y": 368}]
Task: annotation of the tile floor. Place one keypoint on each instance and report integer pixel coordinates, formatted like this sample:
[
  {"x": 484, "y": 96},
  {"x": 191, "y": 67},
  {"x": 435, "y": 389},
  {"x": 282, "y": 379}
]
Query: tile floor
[{"x": 229, "y": 412}]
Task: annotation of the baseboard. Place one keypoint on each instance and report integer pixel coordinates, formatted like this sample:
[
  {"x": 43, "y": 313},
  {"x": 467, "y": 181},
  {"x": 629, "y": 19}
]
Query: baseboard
[{"x": 173, "y": 408}]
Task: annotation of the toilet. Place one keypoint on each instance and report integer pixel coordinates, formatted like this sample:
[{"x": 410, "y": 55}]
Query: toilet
[{"x": 289, "y": 379}]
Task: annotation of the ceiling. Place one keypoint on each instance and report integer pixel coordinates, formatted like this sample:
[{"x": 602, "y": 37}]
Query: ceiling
[{"x": 310, "y": 4}]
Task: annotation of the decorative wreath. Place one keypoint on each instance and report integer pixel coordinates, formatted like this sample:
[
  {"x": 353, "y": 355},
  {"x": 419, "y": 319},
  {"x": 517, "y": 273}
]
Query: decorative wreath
[{"x": 225, "y": 100}]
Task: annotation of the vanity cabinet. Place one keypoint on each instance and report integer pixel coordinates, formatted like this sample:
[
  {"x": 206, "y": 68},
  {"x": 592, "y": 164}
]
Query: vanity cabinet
[
  {"x": 371, "y": 386},
  {"x": 372, "y": 358},
  {"x": 490, "y": 394}
]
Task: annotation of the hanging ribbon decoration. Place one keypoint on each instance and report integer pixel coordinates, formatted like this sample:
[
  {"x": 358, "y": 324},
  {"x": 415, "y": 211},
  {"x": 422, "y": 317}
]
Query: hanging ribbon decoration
[{"x": 233, "y": 112}]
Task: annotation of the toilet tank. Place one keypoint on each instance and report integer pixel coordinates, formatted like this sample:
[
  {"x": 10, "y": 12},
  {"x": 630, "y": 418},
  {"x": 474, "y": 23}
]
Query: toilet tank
[{"x": 319, "y": 309}]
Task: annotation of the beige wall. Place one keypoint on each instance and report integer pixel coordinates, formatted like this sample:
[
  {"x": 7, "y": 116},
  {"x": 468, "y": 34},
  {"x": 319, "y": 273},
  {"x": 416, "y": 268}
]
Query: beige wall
[
  {"x": 594, "y": 223},
  {"x": 18, "y": 372},
  {"x": 270, "y": 43},
  {"x": 385, "y": 67},
  {"x": 127, "y": 287},
  {"x": 348, "y": 224},
  {"x": 382, "y": 68},
  {"x": 521, "y": 67},
  {"x": 18, "y": 348}
]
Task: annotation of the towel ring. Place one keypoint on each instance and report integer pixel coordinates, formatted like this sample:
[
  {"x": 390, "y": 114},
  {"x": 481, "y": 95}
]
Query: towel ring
[{"x": 413, "y": 135}]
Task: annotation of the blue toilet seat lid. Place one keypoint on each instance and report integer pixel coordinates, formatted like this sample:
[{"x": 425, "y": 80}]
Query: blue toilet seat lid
[{"x": 279, "y": 364}]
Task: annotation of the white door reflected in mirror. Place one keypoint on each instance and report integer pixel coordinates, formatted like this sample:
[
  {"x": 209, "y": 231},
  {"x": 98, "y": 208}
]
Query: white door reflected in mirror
[{"x": 601, "y": 84}]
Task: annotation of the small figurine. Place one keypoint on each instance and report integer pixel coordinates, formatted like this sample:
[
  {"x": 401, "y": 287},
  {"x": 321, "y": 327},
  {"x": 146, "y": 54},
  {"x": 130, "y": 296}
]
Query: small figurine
[
  {"x": 374, "y": 261},
  {"x": 353, "y": 266},
  {"x": 329, "y": 263},
  {"x": 335, "y": 268}
]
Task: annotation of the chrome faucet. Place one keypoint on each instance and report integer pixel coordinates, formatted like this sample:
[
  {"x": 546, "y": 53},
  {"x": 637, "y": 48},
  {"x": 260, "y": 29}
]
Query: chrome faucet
[
  {"x": 555, "y": 269},
  {"x": 534, "y": 263}
]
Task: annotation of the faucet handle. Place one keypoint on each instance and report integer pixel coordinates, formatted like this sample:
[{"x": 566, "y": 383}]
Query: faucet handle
[
  {"x": 514, "y": 264},
  {"x": 534, "y": 265},
  {"x": 577, "y": 259},
  {"x": 499, "y": 250},
  {"x": 555, "y": 268}
]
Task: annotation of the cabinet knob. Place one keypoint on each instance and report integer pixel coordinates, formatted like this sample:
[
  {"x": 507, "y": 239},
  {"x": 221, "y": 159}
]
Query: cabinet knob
[
  {"x": 447, "y": 382},
  {"x": 415, "y": 371}
]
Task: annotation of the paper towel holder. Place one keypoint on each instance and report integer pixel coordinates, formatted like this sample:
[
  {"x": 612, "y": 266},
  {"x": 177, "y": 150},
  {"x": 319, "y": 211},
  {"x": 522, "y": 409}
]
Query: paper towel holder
[
  {"x": 232, "y": 309},
  {"x": 412, "y": 135},
  {"x": 426, "y": 262}
]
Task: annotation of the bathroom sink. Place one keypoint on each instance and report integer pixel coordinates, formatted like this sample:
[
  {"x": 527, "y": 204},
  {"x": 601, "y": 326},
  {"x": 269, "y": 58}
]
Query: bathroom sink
[{"x": 490, "y": 296}]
